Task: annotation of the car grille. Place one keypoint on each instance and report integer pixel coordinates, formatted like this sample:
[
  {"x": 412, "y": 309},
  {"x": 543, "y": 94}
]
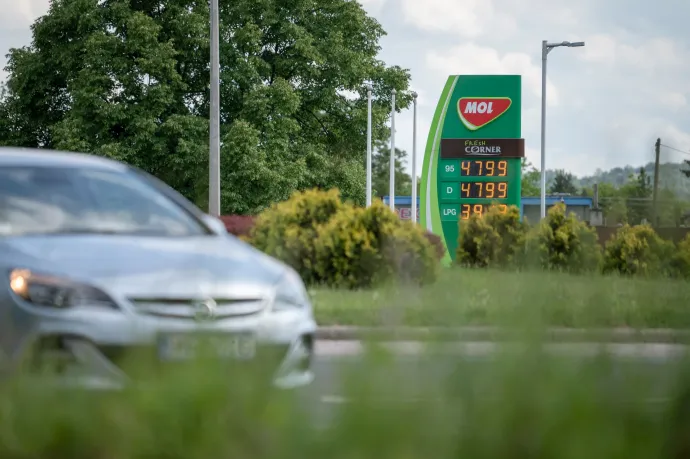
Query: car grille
[{"x": 193, "y": 308}]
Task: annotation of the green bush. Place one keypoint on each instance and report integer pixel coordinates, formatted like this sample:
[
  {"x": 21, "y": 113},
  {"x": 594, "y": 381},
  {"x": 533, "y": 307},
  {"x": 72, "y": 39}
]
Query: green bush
[
  {"x": 563, "y": 242},
  {"x": 681, "y": 259},
  {"x": 493, "y": 239},
  {"x": 287, "y": 229},
  {"x": 360, "y": 248},
  {"x": 638, "y": 250}
]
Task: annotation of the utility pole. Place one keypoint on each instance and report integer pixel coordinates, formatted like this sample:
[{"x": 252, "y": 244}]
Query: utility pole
[
  {"x": 369, "y": 88},
  {"x": 542, "y": 179},
  {"x": 414, "y": 158},
  {"x": 391, "y": 185},
  {"x": 214, "y": 117},
  {"x": 657, "y": 148}
]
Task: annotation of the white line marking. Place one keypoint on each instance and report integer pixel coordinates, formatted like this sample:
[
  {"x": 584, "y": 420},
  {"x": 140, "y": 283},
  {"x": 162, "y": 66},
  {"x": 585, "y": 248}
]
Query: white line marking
[
  {"x": 484, "y": 349},
  {"x": 334, "y": 400},
  {"x": 340, "y": 400}
]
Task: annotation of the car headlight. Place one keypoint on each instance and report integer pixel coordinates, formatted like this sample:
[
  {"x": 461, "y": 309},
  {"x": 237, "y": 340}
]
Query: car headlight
[
  {"x": 55, "y": 292},
  {"x": 290, "y": 293}
]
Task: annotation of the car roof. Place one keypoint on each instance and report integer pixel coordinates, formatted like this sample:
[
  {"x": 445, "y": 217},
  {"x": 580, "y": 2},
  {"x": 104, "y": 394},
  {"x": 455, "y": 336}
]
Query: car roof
[{"x": 15, "y": 156}]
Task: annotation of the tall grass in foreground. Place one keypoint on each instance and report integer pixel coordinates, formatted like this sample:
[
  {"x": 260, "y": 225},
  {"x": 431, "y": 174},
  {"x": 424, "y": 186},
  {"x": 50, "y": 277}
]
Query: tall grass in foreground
[
  {"x": 522, "y": 404},
  {"x": 492, "y": 297}
]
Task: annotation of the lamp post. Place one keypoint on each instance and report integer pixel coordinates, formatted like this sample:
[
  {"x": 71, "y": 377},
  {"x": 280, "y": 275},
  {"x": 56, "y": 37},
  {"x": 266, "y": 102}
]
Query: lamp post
[
  {"x": 368, "y": 86},
  {"x": 414, "y": 157},
  {"x": 545, "y": 50},
  {"x": 391, "y": 187},
  {"x": 214, "y": 117}
]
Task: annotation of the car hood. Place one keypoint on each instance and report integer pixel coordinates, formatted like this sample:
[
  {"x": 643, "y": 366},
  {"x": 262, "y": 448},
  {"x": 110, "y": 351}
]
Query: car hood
[{"x": 150, "y": 266}]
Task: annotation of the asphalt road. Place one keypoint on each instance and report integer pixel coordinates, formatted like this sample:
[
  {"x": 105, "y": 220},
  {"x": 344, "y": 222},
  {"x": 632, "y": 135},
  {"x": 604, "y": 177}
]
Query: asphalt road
[{"x": 412, "y": 368}]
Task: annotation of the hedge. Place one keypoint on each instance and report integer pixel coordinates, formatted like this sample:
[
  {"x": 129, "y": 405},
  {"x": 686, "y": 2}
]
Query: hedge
[{"x": 330, "y": 242}]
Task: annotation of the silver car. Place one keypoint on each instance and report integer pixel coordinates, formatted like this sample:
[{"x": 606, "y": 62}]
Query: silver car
[{"x": 98, "y": 258}]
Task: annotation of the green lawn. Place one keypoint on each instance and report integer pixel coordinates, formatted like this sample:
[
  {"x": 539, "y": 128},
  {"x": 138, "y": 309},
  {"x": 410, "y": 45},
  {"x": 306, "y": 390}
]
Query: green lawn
[{"x": 481, "y": 297}]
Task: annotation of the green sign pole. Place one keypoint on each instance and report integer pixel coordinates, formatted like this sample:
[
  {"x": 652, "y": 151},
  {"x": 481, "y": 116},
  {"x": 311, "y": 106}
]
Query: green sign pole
[{"x": 473, "y": 153}]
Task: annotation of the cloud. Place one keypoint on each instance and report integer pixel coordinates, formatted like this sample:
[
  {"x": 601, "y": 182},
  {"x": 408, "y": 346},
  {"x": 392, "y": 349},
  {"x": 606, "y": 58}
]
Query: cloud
[
  {"x": 673, "y": 100},
  {"x": 466, "y": 18},
  {"x": 423, "y": 98},
  {"x": 474, "y": 59},
  {"x": 533, "y": 155},
  {"x": 372, "y": 6},
  {"x": 22, "y": 13},
  {"x": 624, "y": 51}
]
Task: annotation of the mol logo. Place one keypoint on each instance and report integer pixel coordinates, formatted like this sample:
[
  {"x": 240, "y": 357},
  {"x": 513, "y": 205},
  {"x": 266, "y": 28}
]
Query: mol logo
[{"x": 477, "y": 112}]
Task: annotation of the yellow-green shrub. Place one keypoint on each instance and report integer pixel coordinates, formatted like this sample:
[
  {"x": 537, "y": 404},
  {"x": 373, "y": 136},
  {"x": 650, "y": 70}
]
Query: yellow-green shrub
[
  {"x": 638, "y": 250},
  {"x": 287, "y": 229},
  {"x": 360, "y": 248},
  {"x": 563, "y": 242},
  {"x": 681, "y": 259},
  {"x": 492, "y": 239}
]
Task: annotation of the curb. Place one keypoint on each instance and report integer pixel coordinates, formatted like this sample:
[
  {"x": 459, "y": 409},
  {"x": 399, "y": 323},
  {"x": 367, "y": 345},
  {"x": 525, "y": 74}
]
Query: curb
[{"x": 492, "y": 334}]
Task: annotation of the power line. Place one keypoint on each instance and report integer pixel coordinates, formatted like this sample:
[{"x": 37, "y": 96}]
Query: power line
[{"x": 676, "y": 149}]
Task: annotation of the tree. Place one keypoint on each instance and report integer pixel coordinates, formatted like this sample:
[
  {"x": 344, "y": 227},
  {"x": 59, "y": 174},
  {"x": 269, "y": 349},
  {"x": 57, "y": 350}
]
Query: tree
[
  {"x": 531, "y": 179},
  {"x": 637, "y": 193},
  {"x": 670, "y": 208},
  {"x": 129, "y": 79},
  {"x": 686, "y": 172},
  {"x": 563, "y": 182},
  {"x": 380, "y": 172}
]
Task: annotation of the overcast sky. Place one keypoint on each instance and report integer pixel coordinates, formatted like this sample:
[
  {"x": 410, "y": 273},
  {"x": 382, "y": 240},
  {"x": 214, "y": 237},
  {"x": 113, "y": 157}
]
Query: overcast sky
[{"x": 606, "y": 103}]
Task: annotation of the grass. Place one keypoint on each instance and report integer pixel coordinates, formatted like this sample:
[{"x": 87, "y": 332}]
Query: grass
[
  {"x": 464, "y": 297},
  {"x": 522, "y": 406}
]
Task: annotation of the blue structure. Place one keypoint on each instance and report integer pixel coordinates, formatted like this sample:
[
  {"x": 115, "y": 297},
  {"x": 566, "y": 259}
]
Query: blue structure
[
  {"x": 403, "y": 206},
  {"x": 401, "y": 201},
  {"x": 529, "y": 206}
]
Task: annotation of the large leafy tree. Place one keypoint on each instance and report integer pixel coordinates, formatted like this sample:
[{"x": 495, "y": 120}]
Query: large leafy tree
[{"x": 128, "y": 79}]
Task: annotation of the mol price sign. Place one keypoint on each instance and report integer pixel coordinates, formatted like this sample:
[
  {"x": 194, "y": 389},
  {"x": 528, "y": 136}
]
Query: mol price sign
[{"x": 473, "y": 153}]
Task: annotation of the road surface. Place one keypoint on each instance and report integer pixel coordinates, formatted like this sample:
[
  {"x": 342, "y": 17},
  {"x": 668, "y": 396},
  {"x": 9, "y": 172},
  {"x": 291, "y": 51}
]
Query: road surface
[{"x": 420, "y": 367}]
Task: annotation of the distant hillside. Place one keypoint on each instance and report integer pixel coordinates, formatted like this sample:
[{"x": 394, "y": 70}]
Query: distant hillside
[{"x": 670, "y": 177}]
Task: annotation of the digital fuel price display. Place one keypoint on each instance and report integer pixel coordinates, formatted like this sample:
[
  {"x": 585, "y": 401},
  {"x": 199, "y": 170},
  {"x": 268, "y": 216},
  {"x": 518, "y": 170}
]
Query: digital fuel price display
[{"x": 477, "y": 173}]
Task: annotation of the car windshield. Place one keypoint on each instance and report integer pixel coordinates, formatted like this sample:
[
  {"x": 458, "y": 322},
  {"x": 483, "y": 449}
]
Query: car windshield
[{"x": 42, "y": 200}]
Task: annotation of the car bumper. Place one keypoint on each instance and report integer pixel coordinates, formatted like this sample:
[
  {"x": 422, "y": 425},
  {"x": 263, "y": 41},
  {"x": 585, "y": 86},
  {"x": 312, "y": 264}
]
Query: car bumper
[{"x": 88, "y": 349}]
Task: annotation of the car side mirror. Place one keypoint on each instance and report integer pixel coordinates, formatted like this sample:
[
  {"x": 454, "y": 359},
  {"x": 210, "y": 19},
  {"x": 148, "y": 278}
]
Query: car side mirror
[{"x": 215, "y": 224}]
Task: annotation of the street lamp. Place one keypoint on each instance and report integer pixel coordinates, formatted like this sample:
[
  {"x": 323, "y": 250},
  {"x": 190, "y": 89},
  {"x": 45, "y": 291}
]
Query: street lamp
[
  {"x": 369, "y": 88},
  {"x": 214, "y": 117},
  {"x": 545, "y": 50},
  {"x": 414, "y": 158},
  {"x": 391, "y": 185}
]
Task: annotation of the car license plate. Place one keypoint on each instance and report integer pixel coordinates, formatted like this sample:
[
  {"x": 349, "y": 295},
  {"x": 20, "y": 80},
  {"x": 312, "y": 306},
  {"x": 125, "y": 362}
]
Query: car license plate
[{"x": 185, "y": 346}]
